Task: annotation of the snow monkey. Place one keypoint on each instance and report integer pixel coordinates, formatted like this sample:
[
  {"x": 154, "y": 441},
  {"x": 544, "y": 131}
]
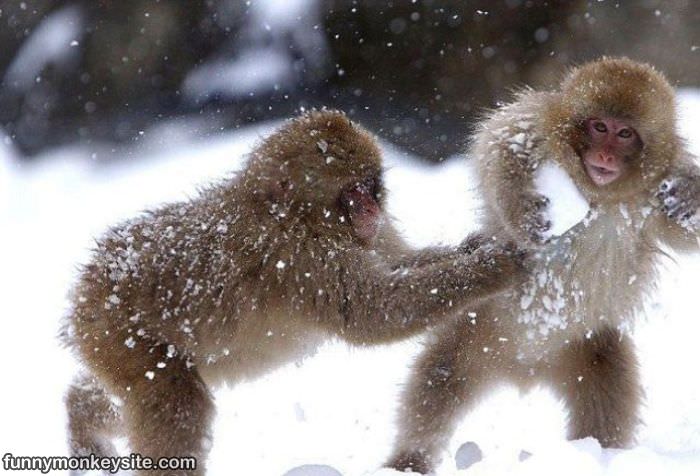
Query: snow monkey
[
  {"x": 254, "y": 272},
  {"x": 612, "y": 127}
]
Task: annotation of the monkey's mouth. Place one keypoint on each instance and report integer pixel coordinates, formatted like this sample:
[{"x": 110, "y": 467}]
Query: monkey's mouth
[{"x": 602, "y": 175}]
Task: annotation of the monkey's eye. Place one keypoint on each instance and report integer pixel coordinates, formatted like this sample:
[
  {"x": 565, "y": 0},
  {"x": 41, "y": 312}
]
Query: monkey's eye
[
  {"x": 600, "y": 126},
  {"x": 375, "y": 186},
  {"x": 625, "y": 133}
]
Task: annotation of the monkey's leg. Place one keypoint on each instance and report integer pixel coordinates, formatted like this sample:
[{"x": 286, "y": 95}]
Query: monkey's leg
[
  {"x": 599, "y": 381},
  {"x": 450, "y": 375},
  {"x": 93, "y": 419},
  {"x": 167, "y": 407}
]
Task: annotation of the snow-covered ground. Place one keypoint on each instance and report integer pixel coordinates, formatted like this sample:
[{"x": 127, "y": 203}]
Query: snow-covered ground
[{"x": 338, "y": 408}]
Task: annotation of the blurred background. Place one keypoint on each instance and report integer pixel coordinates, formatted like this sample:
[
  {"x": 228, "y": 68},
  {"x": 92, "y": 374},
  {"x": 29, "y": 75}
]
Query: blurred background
[{"x": 102, "y": 73}]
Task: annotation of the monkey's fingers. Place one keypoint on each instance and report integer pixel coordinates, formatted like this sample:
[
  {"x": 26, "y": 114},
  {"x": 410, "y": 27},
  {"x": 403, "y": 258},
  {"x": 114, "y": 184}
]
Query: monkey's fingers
[
  {"x": 534, "y": 219},
  {"x": 541, "y": 202},
  {"x": 510, "y": 263},
  {"x": 473, "y": 242},
  {"x": 679, "y": 199},
  {"x": 538, "y": 228}
]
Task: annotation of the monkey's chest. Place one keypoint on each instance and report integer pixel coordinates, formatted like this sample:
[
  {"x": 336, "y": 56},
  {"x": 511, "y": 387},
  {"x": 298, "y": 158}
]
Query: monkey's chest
[{"x": 594, "y": 277}]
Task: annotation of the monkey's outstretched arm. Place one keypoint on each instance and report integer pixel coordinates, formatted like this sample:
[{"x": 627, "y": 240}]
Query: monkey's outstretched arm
[
  {"x": 408, "y": 300},
  {"x": 679, "y": 201},
  {"x": 411, "y": 258}
]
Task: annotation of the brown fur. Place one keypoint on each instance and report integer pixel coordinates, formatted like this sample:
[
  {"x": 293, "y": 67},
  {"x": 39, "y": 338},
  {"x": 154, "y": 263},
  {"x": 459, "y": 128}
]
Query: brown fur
[
  {"x": 258, "y": 270},
  {"x": 569, "y": 324}
]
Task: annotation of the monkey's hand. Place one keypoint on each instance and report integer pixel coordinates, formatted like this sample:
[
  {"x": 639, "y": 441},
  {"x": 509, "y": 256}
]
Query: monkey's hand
[
  {"x": 529, "y": 217},
  {"x": 679, "y": 198},
  {"x": 505, "y": 260},
  {"x": 473, "y": 242}
]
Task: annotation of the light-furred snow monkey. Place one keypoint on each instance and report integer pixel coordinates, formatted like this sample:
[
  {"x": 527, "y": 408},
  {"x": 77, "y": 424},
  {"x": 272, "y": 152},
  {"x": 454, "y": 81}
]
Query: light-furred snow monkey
[{"x": 612, "y": 127}]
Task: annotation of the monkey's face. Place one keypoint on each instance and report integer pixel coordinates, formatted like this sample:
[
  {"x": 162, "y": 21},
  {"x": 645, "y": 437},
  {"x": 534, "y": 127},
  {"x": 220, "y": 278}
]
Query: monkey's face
[
  {"x": 610, "y": 151},
  {"x": 325, "y": 169},
  {"x": 361, "y": 203},
  {"x": 619, "y": 117}
]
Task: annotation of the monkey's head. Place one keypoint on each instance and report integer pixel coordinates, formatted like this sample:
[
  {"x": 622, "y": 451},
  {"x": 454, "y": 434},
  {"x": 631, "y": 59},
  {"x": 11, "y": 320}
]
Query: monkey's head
[
  {"x": 618, "y": 115},
  {"x": 325, "y": 169}
]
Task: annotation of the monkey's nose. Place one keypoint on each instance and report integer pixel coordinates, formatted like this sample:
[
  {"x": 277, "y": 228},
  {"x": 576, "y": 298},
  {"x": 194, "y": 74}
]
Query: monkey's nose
[{"x": 605, "y": 158}]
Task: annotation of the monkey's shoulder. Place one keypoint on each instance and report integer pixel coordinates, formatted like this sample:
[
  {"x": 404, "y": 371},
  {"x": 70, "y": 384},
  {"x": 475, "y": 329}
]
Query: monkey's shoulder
[
  {"x": 522, "y": 113},
  {"x": 514, "y": 130},
  {"x": 157, "y": 238}
]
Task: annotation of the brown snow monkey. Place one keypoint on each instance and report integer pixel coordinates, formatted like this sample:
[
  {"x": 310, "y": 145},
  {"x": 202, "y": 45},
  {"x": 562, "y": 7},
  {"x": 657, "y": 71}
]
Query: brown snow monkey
[
  {"x": 612, "y": 126},
  {"x": 256, "y": 271}
]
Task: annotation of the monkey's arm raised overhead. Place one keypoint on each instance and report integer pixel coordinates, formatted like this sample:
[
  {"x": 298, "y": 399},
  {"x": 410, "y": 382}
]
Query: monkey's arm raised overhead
[
  {"x": 390, "y": 304},
  {"x": 505, "y": 149},
  {"x": 679, "y": 200}
]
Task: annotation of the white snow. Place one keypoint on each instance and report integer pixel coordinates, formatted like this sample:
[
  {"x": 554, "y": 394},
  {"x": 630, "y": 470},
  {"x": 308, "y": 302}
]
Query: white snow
[
  {"x": 253, "y": 70},
  {"x": 266, "y": 52},
  {"x": 282, "y": 14},
  {"x": 689, "y": 109},
  {"x": 338, "y": 408},
  {"x": 52, "y": 41},
  {"x": 567, "y": 206}
]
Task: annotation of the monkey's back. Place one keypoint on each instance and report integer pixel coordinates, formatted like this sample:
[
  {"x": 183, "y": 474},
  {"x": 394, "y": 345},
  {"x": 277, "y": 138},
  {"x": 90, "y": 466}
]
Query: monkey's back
[{"x": 209, "y": 276}]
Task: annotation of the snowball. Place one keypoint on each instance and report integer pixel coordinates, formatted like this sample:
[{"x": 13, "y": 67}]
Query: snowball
[
  {"x": 468, "y": 454},
  {"x": 313, "y": 470},
  {"x": 387, "y": 472},
  {"x": 567, "y": 206},
  {"x": 524, "y": 455}
]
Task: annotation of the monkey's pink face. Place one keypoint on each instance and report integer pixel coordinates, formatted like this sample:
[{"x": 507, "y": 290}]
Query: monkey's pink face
[
  {"x": 361, "y": 202},
  {"x": 612, "y": 144}
]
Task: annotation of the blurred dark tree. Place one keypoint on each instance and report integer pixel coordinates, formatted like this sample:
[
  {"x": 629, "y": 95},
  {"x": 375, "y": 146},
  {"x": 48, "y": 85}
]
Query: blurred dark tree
[
  {"x": 418, "y": 72},
  {"x": 427, "y": 68},
  {"x": 133, "y": 57}
]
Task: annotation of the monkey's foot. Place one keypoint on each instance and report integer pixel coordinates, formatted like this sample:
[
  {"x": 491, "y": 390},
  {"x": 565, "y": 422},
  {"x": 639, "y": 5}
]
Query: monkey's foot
[{"x": 410, "y": 462}]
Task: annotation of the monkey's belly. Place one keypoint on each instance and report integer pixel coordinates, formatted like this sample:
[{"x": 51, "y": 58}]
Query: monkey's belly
[
  {"x": 570, "y": 297},
  {"x": 261, "y": 344}
]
